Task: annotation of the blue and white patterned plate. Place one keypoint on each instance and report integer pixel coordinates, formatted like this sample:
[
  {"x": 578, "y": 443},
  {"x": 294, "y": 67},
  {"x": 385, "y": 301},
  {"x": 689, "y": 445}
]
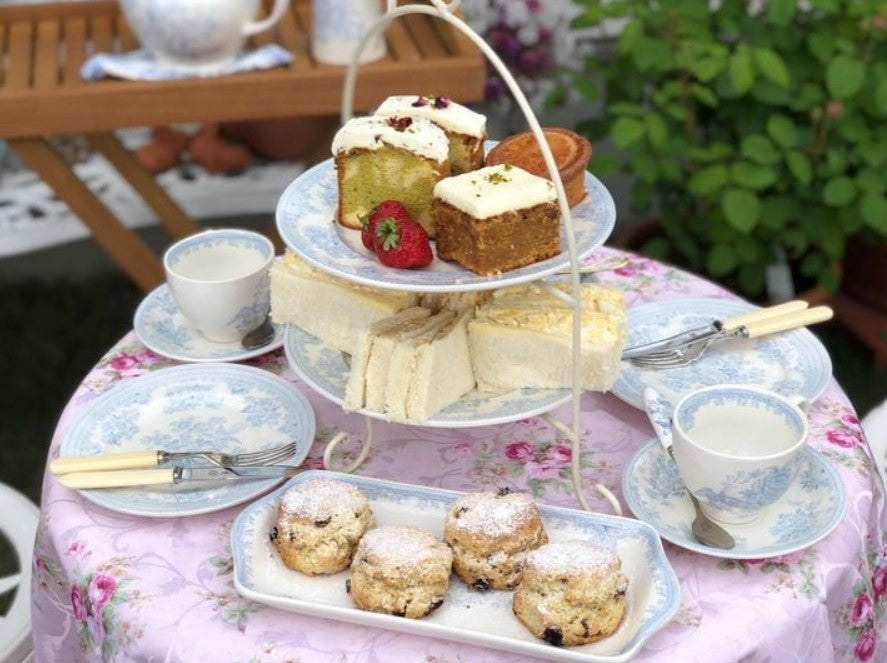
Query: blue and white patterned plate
[
  {"x": 326, "y": 370},
  {"x": 481, "y": 618},
  {"x": 162, "y": 328},
  {"x": 222, "y": 407},
  {"x": 810, "y": 509},
  {"x": 792, "y": 363},
  {"x": 305, "y": 221}
]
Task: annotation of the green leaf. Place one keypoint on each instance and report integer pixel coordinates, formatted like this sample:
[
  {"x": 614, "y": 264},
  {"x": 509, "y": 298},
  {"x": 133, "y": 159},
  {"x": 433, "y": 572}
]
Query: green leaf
[
  {"x": 874, "y": 154},
  {"x": 708, "y": 180},
  {"x": 844, "y": 76},
  {"x": 650, "y": 53},
  {"x": 800, "y": 167},
  {"x": 771, "y": 65},
  {"x": 741, "y": 71},
  {"x": 759, "y": 148},
  {"x": 880, "y": 96},
  {"x": 871, "y": 180},
  {"x": 753, "y": 176},
  {"x": 781, "y": 12},
  {"x": 587, "y": 87},
  {"x": 627, "y": 131},
  {"x": 626, "y": 108},
  {"x": 873, "y": 208},
  {"x": 751, "y": 278},
  {"x": 657, "y": 131},
  {"x": 629, "y": 35},
  {"x": 643, "y": 167},
  {"x": 721, "y": 260},
  {"x": 742, "y": 208},
  {"x": 705, "y": 95},
  {"x": 706, "y": 69},
  {"x": 605, "y": 164},
  {"x": 782, "y": 130},
  {"x": 839, "y": 192}
]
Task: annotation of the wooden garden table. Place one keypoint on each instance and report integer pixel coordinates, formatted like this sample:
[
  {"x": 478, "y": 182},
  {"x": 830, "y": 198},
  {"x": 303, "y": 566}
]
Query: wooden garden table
[{"x": 42, "y": 94}]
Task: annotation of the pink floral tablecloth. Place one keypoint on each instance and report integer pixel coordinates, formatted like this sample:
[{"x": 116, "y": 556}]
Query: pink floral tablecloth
[{"x": 113, "y": 587}]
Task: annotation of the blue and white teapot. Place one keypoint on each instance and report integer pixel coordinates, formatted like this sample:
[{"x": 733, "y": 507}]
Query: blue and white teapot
[{"x": 197, "y": 33}]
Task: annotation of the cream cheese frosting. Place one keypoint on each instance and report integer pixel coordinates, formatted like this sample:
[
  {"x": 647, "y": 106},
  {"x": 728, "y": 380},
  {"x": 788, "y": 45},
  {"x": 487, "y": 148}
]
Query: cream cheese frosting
[
  {"x": 494, "y": 190},
  {"x": 416, "y": 135},
  {"x": 448, "y": 115}
]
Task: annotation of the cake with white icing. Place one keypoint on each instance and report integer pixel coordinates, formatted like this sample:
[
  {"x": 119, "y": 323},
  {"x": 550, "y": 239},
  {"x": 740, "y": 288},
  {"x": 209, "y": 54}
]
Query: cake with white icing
[
  {"x": 523, "y": 337},
  {"x": 388, "y": 158},
  {"x": 334, "y": 310},
  {"x": 466, "y": 130},
  {"x": 496, "y": 219}
]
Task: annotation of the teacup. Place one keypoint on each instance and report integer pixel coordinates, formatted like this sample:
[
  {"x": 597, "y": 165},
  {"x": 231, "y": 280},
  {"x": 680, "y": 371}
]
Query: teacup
[
  {"x": 196, "y": 33},
  {"x": 339, "y": 25},
  {"x": 738, "y": 448},
  {"x": 219, "y": 279}
]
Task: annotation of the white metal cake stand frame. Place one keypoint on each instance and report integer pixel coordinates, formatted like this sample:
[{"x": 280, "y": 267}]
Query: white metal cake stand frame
[{"x": 445, "y": 11}]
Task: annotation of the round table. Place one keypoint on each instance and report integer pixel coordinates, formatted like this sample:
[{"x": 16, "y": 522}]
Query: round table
[{"x": 114, "y": 587}]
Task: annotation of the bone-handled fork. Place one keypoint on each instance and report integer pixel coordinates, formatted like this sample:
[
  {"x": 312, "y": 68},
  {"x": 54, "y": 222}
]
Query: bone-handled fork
[
  {"x": 685, "y": 354},
  {"x": 149, "y": 458}
]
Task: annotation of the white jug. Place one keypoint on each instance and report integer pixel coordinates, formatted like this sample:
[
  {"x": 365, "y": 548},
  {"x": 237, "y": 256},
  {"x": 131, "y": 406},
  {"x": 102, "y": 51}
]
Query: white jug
[
  {"x": 339, "y": 25},
  {"x": 197, "y": 32}
]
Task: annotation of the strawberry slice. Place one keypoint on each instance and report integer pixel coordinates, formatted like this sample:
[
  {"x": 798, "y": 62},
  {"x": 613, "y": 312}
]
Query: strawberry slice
[
  {"x": 387, "y": 209},
  {"x": 402, "y": 244}
]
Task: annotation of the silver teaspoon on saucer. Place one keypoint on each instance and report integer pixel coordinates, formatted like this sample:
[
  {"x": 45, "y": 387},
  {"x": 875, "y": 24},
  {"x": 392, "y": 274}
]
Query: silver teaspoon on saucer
[
  {"x": 704, "y": 528},
  {"x": 261, "y": 335}
]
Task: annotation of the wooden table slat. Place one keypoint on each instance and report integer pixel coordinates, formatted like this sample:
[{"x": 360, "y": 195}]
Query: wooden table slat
[
  {"x": 457, "y": 42},
  {"x": 128, "y": 40},
  {"x": 4, "y": 42},
  {"x": 46, "y": 54},
  {"x": 400, "y": 43},
  {"x": 18, "y": 73},
  {"x": 57, "y": 10},
  {"x": 302, "y": 11},
  {"x": 74, "y": 52},
  {"x": 101, "y": 34},
  {"x": 426, "y": 37},
  {"x": 294, "y": 39}
]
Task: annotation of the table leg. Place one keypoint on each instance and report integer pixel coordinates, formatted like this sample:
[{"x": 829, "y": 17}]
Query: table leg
[
  {"x": 171, "y": 216},
  {"x": 127, "y": 249}
]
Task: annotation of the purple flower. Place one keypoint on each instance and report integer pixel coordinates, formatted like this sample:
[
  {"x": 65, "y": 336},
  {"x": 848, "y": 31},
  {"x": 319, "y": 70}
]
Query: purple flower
[
  {"x": 863, "y": 610},
  {"x": 101, "y": 589},
  {"x": 522, "y": 452},
  {"x": 130, "y": 364},
  {"x": 77, "y": 603},
  {"x": 464, "y": 450},
  {"x": 559, "y": 455},
  {"x": 76, "y": 548},
  {"x": 865, "y": 646},
  {"x": 842, "y": 438},
  {"x": 879, "y": 582}
]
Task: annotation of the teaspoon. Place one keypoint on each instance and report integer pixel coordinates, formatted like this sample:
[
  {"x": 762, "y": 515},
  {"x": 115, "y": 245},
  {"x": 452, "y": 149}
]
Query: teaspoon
[{"x": 261, "y": 335}]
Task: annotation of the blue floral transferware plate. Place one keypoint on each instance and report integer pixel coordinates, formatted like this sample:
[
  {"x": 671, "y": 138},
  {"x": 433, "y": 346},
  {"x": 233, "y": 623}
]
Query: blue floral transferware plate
[
  {"x": 481, "y": 618},
  {"x": 162, "y": 328},
  {"x": 792, "y": 363},
  {"x": 810, "y": 509},
  {"x": 306, "y": 222},
  {"x": 222, "y": 407},
  {"x": 326, "y": 370}
]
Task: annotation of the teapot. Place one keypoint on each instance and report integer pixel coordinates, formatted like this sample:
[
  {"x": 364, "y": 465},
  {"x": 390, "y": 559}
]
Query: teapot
[{"x": 197, "y": 33}]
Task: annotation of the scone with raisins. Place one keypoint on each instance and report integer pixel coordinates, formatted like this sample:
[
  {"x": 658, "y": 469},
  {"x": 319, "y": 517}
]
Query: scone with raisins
[
  {"x": 489, "y": 533},
  {"x": 319, "y": 523},
  {"x": 571, "y": 593},
  {"x": 400, "y": 570}
]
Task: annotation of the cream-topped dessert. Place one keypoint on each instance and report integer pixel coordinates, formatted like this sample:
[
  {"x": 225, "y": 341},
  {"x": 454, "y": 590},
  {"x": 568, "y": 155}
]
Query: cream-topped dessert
[
  {"x": 496, "y": 219},
  {"x": 466, "y": 130},
  {"x": 370, "y": 132}
]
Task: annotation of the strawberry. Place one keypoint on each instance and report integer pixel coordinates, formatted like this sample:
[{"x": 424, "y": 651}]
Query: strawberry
[
  {"x": 403, "y": 244},
  {"x": 387, "y": 209}
]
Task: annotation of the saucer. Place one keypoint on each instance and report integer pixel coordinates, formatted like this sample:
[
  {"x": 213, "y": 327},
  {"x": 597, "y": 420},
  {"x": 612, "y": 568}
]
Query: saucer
[
  {"x": 811, "y": 508},
  {"x": 162, "y": 328}
]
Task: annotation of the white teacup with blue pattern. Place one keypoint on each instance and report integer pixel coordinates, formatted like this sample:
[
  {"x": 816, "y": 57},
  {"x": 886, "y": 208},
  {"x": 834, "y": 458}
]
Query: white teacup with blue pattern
[
  {"x": 737, "y": 448},
  {"x": 220, "y": 281}
]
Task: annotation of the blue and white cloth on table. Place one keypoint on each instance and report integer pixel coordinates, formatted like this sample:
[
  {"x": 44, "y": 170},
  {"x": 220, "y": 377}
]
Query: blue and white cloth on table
[{"x": 141, "y": 65}]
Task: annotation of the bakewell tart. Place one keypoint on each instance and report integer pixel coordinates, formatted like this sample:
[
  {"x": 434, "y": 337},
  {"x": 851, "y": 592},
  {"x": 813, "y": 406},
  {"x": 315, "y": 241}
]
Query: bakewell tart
[
  {"x": 571, "y": 153},
  {"x": 523, "y": 337},
  {"x": 466, "y": 130},
  {"x": 496, "y": 219},
  {"x": 334, "y": 310},
  {"x": 388, "y": 158}
]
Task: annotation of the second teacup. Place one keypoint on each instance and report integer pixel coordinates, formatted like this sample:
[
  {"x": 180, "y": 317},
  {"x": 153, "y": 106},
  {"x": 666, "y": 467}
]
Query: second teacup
[
  {"x": 219, "y": 280},
  {"x": 737, "y": 448}
]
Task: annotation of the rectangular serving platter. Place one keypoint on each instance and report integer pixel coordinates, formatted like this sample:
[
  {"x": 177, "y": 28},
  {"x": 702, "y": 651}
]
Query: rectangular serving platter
[{"x": 480, "y": 618}]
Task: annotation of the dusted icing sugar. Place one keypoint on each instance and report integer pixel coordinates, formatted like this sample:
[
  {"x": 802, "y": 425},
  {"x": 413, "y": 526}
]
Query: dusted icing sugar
[
  {"x": 320, "y": 499},
  {"x": 493, "y": 515},
  {"x": 572, "y": 557},
  {"x": 448, "y": 115},
  {"x": 402, "y": 546},
  {"x": 494, "y": 190},
  {"x": 419, "y": 136}
]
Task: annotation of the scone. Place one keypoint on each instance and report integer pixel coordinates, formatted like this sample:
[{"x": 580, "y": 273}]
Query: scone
[
  {"x": 319, "y": 523},
  {"x": 490, "y": 533},
  {"x": 399, "y": 570},
  {"x": 571, "y": 593}
]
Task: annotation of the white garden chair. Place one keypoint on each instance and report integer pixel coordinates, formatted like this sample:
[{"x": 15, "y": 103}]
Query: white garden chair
[{"x": 18, "y": 525}]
